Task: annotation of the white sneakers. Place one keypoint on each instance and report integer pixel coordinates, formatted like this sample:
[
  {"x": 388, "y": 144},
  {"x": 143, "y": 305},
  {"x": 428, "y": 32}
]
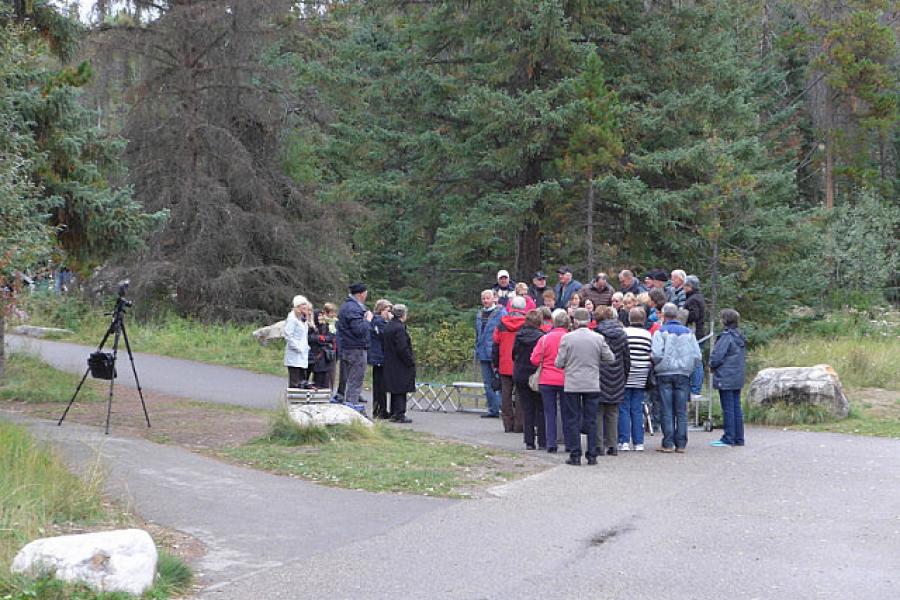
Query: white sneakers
[
  {"x": 696, "y": 397},
  {"x": 626, "y": 447}
]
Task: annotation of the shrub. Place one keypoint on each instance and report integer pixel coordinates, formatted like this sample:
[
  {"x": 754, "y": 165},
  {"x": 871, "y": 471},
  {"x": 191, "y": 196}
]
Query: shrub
[{"x": 446, "y": 348}]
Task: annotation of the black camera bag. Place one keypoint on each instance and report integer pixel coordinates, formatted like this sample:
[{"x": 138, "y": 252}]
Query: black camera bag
[{"x": 102, "y": 365}]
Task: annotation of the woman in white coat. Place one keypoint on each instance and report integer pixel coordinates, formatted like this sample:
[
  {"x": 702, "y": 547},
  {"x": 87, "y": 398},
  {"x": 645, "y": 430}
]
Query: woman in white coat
[{"x": 296, "y": 336}]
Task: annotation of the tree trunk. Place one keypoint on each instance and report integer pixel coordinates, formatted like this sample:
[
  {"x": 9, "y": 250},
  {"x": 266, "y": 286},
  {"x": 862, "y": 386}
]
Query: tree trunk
[
  {"x": 528, "y": 250},
  {"x": 829, "y": 172},
  {"x": 590, "y": 225},
  {"x": 2, "y": 340}
]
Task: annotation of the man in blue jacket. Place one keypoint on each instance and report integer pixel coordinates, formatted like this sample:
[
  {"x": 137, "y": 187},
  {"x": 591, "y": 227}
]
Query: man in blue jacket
[
  {"x": 674, "y": 352},
  {"x": 486, "y": 320},
  {"x": 353, "y": 339},
  {"x": 566, "y": 287}
]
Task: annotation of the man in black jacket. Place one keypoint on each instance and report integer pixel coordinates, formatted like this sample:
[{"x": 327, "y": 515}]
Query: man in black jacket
[{"x": 353, "y": 339}]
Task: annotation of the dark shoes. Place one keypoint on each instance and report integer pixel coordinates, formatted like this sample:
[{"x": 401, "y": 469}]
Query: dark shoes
[
  {"x": 530, "y": 447},
  {"x": 592, "y": 460},
  {"x": 552, "y": 450},
  {"x": 401, "y": 420},
  {"x": 490, "y": 416},
  {"x": 612, "y": 451},
  {"x": 575, "y": 461}
]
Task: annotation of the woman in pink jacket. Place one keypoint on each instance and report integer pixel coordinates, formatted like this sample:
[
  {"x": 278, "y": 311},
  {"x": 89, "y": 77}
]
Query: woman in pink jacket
[{"x": 552, "y": 378}]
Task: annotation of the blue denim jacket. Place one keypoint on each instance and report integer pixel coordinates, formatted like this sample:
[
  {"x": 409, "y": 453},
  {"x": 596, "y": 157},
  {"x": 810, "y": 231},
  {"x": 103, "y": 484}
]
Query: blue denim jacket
[{"x": 484, "y": 333}]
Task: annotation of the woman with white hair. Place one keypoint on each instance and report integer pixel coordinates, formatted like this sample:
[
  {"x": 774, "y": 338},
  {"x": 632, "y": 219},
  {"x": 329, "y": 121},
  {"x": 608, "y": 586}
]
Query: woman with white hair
[
  {"x": 296, "y": 347},
  {"x": 399, "y": 363}
]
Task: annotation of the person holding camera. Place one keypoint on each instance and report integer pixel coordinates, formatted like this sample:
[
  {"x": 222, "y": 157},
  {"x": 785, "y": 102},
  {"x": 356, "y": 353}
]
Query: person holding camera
[{"x": 296, "y": 347}]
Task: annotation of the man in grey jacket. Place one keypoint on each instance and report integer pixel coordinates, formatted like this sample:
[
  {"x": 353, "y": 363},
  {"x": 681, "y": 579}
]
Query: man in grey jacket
[
  {"x": 674, "y": 352},
  {"x": 580, "y": 354}
]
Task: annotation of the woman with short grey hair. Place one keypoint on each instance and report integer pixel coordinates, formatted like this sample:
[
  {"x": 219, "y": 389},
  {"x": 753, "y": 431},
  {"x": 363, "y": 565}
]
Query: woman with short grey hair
[
  {"x": 399, "y": 363},
  {"x": 727, "y": 365}
]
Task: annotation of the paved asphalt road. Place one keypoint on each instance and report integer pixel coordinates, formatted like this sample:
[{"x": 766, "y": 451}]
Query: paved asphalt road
[{"x": 791, "y": 515}]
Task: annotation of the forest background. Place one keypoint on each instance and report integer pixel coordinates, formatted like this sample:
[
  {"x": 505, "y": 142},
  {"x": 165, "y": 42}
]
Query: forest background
[{"x": 228, "y": 155}]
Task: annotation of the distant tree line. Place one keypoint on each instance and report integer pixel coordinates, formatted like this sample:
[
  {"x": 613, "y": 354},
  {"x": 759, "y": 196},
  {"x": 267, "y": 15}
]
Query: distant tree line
[{"x": 421, "y": 146}]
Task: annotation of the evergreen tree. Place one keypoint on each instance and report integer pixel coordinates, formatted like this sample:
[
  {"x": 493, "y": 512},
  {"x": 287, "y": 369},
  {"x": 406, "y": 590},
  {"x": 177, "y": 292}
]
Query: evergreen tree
[
  {"x": 469, "y": 104},
  {"x": 705, "y": 189}
]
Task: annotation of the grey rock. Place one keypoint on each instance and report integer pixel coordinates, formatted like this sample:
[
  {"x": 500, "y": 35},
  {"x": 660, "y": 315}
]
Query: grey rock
[
  {"x": 818, "y": 385},
  {"x": 40, "y": 332},
  {"x": 266, "y": 334}
]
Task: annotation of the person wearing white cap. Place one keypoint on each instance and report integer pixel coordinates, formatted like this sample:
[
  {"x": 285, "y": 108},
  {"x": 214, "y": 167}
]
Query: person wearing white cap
[{"x": 505, "y": 288}]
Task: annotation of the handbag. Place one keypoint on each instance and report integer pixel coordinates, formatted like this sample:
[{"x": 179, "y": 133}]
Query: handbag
[{"x": 534, "y": 378}]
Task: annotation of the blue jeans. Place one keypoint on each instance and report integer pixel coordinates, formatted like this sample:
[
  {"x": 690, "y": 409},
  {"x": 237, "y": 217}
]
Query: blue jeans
[
  {"x": 550, "y": 394},
  {"x": 733, "y": 417},
  {"x": 674, "y": 391},
  {"x": 491, "y": 396},
  {"x": 580, "y": 411},
  {"x": 697, "y": 379},
  {"x": 631, "y": 417},
  {"x": 697, "y": 376}
]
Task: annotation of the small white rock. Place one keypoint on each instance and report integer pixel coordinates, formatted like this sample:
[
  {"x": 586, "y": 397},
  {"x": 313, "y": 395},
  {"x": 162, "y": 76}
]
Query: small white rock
[{"x": 108, "y": 561}]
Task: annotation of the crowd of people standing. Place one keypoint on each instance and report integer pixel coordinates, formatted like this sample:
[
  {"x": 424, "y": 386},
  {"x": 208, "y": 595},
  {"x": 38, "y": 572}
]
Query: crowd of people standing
[
  {"x": 581, "y": 359},
  {"x": 557, "y": 363},
  {"x": 354, "y": 337}
]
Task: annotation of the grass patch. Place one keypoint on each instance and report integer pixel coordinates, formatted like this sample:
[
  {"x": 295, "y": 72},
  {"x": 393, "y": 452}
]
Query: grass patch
[
  {"x": 382, "y": 459},
  {"x": 784, "y": 413},
  {"x": 37, "y": 490},
  {"x": 37, "y": 493},
  {"x": 28, "y": 379}
]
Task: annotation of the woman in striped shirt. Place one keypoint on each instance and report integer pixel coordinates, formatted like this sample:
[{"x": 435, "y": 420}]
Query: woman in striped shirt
[{"x": 631, "y": 413}]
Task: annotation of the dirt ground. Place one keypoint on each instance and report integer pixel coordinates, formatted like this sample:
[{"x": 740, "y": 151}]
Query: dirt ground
[
  {"x": 197, "y": 426},
  {"x": 878, "y": 402}
]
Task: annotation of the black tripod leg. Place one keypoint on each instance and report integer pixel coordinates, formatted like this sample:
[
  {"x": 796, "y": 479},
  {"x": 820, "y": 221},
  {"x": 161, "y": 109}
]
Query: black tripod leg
[
  {"x": 134, "y": 370},
  {"x": 112, "y": 381},
  {"x": 72, "y": 399}
]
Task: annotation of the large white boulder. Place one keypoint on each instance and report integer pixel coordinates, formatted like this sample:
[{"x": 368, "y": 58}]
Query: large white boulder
[
  {"x": 266, "y": 334},
  {"x": 810, "y": 385},
  {"x": 108, "y": 561},
  {"x": 312, "y": 415}
]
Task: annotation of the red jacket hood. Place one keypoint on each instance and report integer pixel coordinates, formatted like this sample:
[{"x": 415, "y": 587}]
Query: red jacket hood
[{"x": 513, "y": 321}]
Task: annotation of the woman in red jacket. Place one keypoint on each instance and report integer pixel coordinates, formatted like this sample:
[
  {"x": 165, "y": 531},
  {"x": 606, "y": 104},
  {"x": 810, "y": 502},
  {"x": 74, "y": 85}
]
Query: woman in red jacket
[{"x": 552, "y": 378}]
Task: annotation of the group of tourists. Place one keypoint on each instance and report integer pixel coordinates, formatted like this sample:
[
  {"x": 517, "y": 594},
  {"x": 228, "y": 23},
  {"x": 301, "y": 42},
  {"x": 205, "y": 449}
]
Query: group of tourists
[
  {"x": 352, "y": 335},
  {"x": 557, "y": 362},
  {"x": 591, "y": 356}
]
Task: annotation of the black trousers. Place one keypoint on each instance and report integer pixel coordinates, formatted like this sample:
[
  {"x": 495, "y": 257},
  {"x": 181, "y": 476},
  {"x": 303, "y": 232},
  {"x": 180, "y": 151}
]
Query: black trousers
[
  {"x": 379, "y": 395},
  {"x": 398, "y": 405},
  {"x": 532, "y": 414},
  {"x": 320, "y": 379},
  {"x": 297, "y": 376}
]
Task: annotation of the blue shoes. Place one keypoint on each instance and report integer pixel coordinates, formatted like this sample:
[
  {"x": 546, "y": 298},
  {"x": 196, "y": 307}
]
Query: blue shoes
[{"x": 720, "y": 444}]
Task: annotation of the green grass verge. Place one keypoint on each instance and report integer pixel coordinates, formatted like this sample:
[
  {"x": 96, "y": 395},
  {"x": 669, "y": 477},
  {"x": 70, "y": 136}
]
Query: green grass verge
[
  {"x": 29, "y": 379},
  {"x": 382, "y": 459},
  {"x": 37, "y": 492},
  {"x": 860, "y": 361}
]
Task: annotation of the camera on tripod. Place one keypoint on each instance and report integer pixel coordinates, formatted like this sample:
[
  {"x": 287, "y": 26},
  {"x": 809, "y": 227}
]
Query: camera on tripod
[
  {"x": 123, "y": 289},
  {"x": 102, "y": 365}
]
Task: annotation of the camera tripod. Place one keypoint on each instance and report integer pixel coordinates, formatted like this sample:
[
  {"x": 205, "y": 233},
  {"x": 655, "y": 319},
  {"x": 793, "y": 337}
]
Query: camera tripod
[{"x": 116, "y": 329}]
